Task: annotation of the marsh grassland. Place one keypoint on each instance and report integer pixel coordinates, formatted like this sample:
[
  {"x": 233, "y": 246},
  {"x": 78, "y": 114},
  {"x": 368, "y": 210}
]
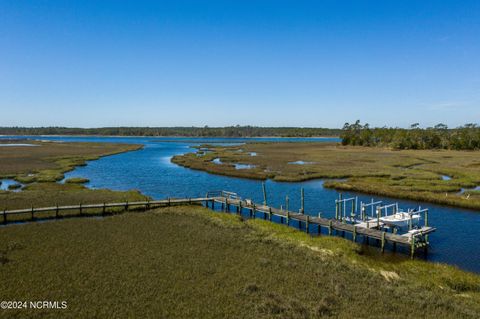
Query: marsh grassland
[
  {"x": 46, "y": 161},
  {"x": 189, "y": 262},
  {"x": 40, "y": 166},
  {"x": 439, "y": 176}
]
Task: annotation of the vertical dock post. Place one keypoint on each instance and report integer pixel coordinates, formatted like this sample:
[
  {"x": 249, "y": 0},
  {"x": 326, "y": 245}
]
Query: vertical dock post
[
  {"x": 340, "y": 197},
  {"x": 264, "y": 194},
  {"x": 288, "y": 217},
  {"x": 354, "y": 235},
  {"x": 32, "y": 212},
  {"x": 412, "y": 247},
  {"x": 56, "y": 210},
  {"x": 253, "y": 211},
  {"x": 5, "y": 215},
  {"x": 225, "y": 209},
  {"x": 302, "y": 201},
  {"x": 330, "y": 227},
  {"x": 239, "y": 210},
  {"x": 336, "y": 209},
  {"x": 286, "y": 203},
  {"x": 410, "y": 221},
  {"x": 80, "y": 208},
  {"x": 394, "y": 243},
  {"x": 383, "y": 241},
  {"x": 379, "y": 213},
  {"x": 354, "y": 208},
  {"x": 307, "y": 224},
  {"x": 270, "y": 213},
  {"x": 319, "y": 225},
  {"x": 103, "y": 209},
  {"x": 426, "y": 225}
]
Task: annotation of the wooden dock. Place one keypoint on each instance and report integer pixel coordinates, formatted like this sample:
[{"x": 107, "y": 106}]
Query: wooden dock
[
  {"x": 229, "y": 202},
  {"x": 414, "y": 239}
]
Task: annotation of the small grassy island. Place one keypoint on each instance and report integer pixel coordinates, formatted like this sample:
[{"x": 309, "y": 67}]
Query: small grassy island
[
  {"x": 40, "y": 164},
  {"x": 439, "y": 176}
]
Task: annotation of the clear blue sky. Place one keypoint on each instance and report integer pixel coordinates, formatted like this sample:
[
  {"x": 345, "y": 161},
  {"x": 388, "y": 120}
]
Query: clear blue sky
[{"x": 268, "y": 63}]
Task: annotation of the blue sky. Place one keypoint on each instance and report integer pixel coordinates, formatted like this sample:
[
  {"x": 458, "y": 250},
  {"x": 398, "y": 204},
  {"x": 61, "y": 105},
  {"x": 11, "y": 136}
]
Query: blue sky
[{"x": 268, "y": 63}]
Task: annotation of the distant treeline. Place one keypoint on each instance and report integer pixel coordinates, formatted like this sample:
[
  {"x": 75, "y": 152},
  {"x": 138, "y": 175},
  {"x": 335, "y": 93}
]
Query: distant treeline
[
  {"x": 466, "y": 137},
  {"x": 231, "y": 131}
]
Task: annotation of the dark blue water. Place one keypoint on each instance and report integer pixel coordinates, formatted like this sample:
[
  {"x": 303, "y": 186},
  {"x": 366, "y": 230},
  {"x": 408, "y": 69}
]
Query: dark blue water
[{"x": 150, "y": 171}]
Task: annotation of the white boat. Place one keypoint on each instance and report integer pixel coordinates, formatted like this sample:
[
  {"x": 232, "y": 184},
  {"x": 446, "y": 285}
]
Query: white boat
[{"x": 401, "y": 219}]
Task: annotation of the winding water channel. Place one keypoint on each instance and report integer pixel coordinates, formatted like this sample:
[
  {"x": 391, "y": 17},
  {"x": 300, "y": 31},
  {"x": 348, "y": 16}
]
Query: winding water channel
[{"x": 150, "y": 171}]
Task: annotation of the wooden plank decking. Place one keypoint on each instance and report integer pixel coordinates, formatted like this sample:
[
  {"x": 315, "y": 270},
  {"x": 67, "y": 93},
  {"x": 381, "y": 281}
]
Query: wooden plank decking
[{"x": 415, "y": 239}]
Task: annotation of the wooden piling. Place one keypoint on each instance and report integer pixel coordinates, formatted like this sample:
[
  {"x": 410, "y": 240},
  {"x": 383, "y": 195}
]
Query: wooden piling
[
  {"x": 302, "y": 201},
  {"x": 336, "y": 209},
  {"x": 264, "y": 194},
  {"x": 307, "y": 224},
  {"x": 379, "y": 213},
  {"x": 383, "y": 242},
  {"x": 354, "y": 234},
  {"x": 412, "y": 247}
]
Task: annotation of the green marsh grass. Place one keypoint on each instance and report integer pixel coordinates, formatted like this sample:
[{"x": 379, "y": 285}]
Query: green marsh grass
[
  {"x": 410, "y": 174},
  {"x": 189, "y": 262}
]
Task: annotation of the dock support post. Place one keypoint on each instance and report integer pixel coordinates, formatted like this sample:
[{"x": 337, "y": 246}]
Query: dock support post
[
  {"x": 213, "y": 204},
  {"x": 340, "y": 197},
  {"x": 286, "y": 203},
  {"x": 394, "y": 243},
  {"x": 354, "y": 237},
  {"x": 288, "y": 217},
  {"x": 412, "y": 247},
  {"x": 253, "y": 211},
  {"x": 302, "y": 201},
  {"x": 103, "y": 209},
  {"x": 225, "y": 208},
  {"x": 426, "y": 225},
  {"x": 307, "y": 224},
  {"x": 239, "y": 210},
  {"x": 270, "y": 213},
  {"x": 319, "y": 225},
  {"x": 354, "y": 207},
  {"x": 330, "y": 227},
  {"x": 383, "y": 241},
  {"x": 80, "y": 209},
  {"x": 56, "y": 210},
  {"x": 379, "y": 213},
  {"x": 5, "y": 216},
  {"x": 126, "y": 206},
  {"x": 264, "y": 194},
  {"x": 336, "y": 209}
]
